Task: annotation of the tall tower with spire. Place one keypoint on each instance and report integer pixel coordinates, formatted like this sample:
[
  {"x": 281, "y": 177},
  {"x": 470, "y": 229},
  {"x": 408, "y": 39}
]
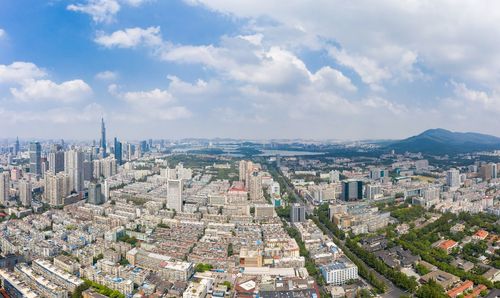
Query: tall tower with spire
[{"x": 103, "y": 138}]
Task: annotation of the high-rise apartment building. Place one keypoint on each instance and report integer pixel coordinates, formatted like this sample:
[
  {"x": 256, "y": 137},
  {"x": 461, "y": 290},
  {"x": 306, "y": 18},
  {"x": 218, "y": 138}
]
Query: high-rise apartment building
[
  {"x": 95, "y": 196},
  {"x": 373, "y": 191},
  {"x": 297, "y": 213},
  {"x": 35, "y": 152},
  {"x": 174, "y": 194},
  {"x": 352, "y": 190},
  {"x": 4, "y": 187},
  {"x": 130, "y": 152},
  {"x": 104, "y": 168},
  {"x": 73, "y": 166},
  {"x": 57, "y": 187},
  {"x": 25, "y": 194},
  {"x": 453, "y": 178},
  {"x": 56, "y": 162},
  {"x": 255, "y": 187},
  {"x": 243, "y": 170}
]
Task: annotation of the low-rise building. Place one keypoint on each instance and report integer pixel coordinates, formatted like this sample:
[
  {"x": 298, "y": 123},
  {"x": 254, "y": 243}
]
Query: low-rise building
[{"x": 339, "y": 272}]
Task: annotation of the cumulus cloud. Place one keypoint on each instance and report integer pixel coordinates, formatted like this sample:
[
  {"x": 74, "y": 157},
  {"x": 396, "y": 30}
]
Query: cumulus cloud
[
  {"x": 130, "y": 37},
  {"x": 107, "y": 75},
  {"x": 101, "y": 11},
  {"x": 469, "y": 96},
  {"x": 19, "y": 71},
  {"x": 265, "y": 74},
  {"x": 458, "y": 40},
  {"x": 245, "y": 61},
  {"x": 151, "y": 104},
  {"x": 34, "y": 90},
  {"x": 371, "y": 73},
  {"x": 28, "y": 83}
]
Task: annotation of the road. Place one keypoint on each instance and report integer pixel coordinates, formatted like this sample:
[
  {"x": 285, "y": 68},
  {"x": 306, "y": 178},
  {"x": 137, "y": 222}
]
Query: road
[{"x": 392, "y": 290}]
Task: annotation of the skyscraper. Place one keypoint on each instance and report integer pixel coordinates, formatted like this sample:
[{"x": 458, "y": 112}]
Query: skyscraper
[
  {"x": 56, "y": 162},
  {"x": 35, "y": 151},
  {"x": 255, "y": 187},
  {"x": 494, "y": 171},
  {"x": 56, "y": 188},
  {"x": 73, "y": 166},
  {"x": 453, "y": 178},
  {"x": 103, "y": 138},
  {"x": 130, "y": 152},
  {"x": 297, "y": 213},
  {"x": 118, "y": 151},
  {"x": 16, "y": 147},
  {"x": 243, "y": 170},
  {"x": 174, "y": 195},
  {"x": 4, "y": 187},
  {"x": 25, "y": 195},
  {"x": 352, "y": 190},
  {"x": 95, "y": 194}
]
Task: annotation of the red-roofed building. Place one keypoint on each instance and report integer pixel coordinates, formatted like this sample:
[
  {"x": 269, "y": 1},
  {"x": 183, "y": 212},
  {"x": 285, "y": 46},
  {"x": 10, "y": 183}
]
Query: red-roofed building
[
  {"x": 465, "y": 286},
  {"x": 480, "y": 235},
  {"x": 476, "y": 292},
  {"x": 448, "y": 245}
]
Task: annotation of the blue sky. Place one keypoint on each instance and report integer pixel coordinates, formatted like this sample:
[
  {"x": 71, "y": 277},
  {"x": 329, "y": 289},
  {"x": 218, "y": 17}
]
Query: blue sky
[{"x": 247, "y": 69}]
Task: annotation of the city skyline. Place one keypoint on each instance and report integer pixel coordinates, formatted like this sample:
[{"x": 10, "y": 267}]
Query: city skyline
[{"x": 257, "y": 70}]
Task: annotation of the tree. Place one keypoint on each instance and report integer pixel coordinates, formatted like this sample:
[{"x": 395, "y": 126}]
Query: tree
[
  {"x": 163, "y": 226},
  {"x": 431, "y": 290},
  {"x": 421, "y": 269},
  {"x": 98, "y": 257},
  {"x": 200, "y": 267},
  {"x": 124, "y": 262},
  {"x": 77, "y": 293}
]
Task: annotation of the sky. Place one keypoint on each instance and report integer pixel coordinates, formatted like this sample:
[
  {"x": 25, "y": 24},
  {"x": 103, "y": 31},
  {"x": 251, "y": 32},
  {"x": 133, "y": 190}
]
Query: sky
[{"x": 253, "y": 69}]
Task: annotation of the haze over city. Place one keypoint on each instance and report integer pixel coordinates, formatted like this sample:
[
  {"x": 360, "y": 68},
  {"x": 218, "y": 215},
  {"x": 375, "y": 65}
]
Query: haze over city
[{"x": 247, "y": 69}]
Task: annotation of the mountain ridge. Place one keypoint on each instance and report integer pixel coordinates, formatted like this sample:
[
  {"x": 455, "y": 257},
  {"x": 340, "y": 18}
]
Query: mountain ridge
[{"x": 442, "y": 141}]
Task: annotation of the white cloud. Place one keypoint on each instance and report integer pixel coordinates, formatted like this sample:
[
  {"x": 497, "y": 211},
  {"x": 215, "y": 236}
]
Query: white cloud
[
  {"x": 136, "y": 2},
  {"x": 248, "y": 62},
  {"x": 366, "y": 68},
  {"x": 2, "y": 33},
  {"x": 262, "y": 76},
  {"x": 151, "y": 97},
  {"x": 327, "y": 77},
  {"x": 35, "y": 90},
  {"x": 450, "y": 39},
  {"x": 19, "y": 71},
  {"x": 468, "y": 96},
  {"x": 101, "y": 11},
  {"x": 152, "y": 104},
  {"x": 31, "y": 85},
  {"x": 107, "y": 75},
  {"x": 130, "y": 37}
]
